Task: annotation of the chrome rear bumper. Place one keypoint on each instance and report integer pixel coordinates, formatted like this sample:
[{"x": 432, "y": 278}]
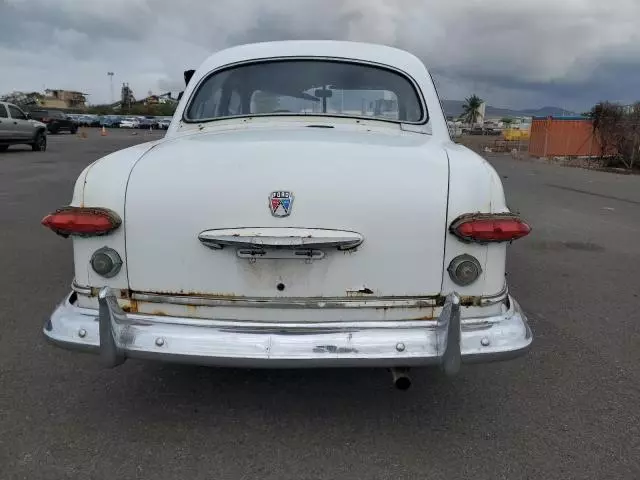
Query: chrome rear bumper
[{"x": 447, "y": 342}]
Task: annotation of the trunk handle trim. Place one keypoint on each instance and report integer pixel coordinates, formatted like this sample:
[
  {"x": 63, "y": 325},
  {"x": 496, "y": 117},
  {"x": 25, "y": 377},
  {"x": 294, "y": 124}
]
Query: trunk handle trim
[{"x": 280, "y": 237}]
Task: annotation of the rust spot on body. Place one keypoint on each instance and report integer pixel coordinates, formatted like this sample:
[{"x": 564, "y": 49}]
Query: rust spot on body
[
  {"x": 333, "y": 349},
  {"x": 425, "y": 318},
  {"x": 182, "y": 293},
  {"x": 471, "y": 301},
  {"x": 132, "y": 307}
]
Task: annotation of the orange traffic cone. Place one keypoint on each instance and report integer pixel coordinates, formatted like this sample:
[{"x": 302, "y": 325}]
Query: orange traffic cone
[{"x": 103, "y": 133}]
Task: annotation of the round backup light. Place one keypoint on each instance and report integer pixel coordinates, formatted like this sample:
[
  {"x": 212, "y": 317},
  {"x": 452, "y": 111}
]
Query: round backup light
[
  {"x": 106, "y": 262},
  {"x": 464, "y": 270}
]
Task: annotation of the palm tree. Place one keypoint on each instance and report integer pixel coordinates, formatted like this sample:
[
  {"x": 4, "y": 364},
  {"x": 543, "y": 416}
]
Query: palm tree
[{"x": 471, "y": 109}]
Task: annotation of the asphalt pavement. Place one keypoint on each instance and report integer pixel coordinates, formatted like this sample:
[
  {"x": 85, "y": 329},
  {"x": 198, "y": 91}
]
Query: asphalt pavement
[{"x": 570, "y": 409}]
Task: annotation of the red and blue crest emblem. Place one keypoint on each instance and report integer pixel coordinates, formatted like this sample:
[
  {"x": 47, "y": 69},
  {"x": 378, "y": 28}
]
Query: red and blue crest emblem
[{"x": 281, "y": 203}]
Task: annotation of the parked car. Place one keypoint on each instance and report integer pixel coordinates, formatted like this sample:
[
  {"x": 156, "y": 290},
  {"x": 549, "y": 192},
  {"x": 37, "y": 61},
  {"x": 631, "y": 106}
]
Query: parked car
[
  {"x": 17, "y": 127},
  {"x": 130, "y": 122},
  {"x": 249, "y": 241},
  {"x": 164, "y": 123},
  {"x": 110, "y": 121},
  {"x": 482, "y": 130},
  {"x": 491, "y": 128},
  {"x": 88, "y": 120},
  {"x": 55, "y": 120},
  {"x": 153, "y": 122},
  {"x": 148, "y": 123}
]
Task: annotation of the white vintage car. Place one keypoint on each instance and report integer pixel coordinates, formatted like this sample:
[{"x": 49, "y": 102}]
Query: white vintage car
[
  {"x": 130, "y": 122},
  {"x": 306, "y": 208}
]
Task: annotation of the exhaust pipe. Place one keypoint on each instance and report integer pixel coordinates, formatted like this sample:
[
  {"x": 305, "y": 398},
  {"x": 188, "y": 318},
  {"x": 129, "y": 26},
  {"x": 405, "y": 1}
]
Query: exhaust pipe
[{"x": 401, "y": 378}]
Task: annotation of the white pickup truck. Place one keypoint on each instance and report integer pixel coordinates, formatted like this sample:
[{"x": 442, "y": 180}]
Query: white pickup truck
[
  {"x": 284, "y": 222},
  {"x": 17, "y": 127}
]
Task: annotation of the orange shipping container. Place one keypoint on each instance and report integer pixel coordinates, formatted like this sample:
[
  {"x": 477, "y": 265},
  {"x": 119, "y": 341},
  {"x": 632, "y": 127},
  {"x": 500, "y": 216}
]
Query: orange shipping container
[{"x": 563, "y": 137}]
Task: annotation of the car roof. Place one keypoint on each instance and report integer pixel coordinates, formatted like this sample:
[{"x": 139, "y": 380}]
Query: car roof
[{"x": 368, "y": 52}]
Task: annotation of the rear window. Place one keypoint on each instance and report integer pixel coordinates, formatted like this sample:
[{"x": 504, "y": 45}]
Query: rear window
[{"x": 307, "y": 87}]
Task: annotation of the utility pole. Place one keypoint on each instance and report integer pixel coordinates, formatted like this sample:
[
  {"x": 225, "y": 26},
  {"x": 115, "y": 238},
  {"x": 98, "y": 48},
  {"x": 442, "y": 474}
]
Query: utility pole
[{"x": 110, "y": 74}]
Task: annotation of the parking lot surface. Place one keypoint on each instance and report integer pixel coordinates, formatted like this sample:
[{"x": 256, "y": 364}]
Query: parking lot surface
[{"x": 570, "y": 409}]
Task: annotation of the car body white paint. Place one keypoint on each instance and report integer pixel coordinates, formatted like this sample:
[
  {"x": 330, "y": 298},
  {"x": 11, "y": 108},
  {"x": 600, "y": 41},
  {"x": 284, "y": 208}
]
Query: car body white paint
[
  {"x": 130, "y": 123},
  {"x": 178, "y": 178},
  {"x": 399, "y": 186}
]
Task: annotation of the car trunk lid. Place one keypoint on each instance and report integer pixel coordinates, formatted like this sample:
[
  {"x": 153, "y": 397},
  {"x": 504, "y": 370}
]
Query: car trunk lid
[{"x": 289, "y": 212}]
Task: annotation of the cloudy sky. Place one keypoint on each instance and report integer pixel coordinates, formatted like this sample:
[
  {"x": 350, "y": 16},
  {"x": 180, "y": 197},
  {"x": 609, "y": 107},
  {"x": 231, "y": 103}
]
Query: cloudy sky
[{"x": 515, "y": 53}]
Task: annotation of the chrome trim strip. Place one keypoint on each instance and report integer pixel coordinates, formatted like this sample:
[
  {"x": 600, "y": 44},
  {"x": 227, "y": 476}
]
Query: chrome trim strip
[
  {"x": 81, "y": 289},
  {"x": 280, "y": 237},
  {"x": 288, "y": 303},
  {"x": 502, "y": 293},
  {"x": 360, "y": 301}
]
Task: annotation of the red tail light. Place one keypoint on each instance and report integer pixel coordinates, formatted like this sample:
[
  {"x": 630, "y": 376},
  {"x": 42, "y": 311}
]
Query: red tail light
[
  {"x": 80, "y": 221},
  {"x": 483, "y": 228}
]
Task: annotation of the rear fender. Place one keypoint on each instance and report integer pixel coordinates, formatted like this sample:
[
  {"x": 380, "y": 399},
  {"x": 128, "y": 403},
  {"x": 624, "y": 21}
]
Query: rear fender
[
  {"x": 103, "y": 184},
  {"x": 474, "y": 187}
]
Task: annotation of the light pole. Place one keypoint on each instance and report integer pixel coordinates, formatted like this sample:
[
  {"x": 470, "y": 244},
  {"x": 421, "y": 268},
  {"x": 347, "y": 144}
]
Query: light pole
[{"x": 110, "y": 74}]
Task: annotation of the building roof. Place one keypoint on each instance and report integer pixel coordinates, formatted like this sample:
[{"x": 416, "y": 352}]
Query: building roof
[
  {"x": 66, "y": 91},
  {"x": 554, "y": 117}
]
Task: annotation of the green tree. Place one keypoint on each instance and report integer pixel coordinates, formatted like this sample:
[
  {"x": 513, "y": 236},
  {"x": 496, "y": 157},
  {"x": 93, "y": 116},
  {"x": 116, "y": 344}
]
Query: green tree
[
  {"x": 471, "y": 109},
  {"x": 507, "y": 121},
  {"x": 617, "y": 128}
]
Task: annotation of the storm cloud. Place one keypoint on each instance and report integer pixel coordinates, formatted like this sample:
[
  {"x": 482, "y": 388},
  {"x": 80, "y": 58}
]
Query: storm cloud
[{"x": 568, "y": 53}]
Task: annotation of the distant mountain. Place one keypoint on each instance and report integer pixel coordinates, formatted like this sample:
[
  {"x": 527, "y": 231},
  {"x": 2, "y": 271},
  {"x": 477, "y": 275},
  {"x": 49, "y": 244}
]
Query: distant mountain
[{"x": 454, "y": 108}]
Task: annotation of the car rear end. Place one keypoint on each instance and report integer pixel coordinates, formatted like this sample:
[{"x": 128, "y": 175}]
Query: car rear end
[
  {"x": 305, "y": 242},
  {"x": 55, "y": 120},
  {"x": 234, "y": 271}
]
